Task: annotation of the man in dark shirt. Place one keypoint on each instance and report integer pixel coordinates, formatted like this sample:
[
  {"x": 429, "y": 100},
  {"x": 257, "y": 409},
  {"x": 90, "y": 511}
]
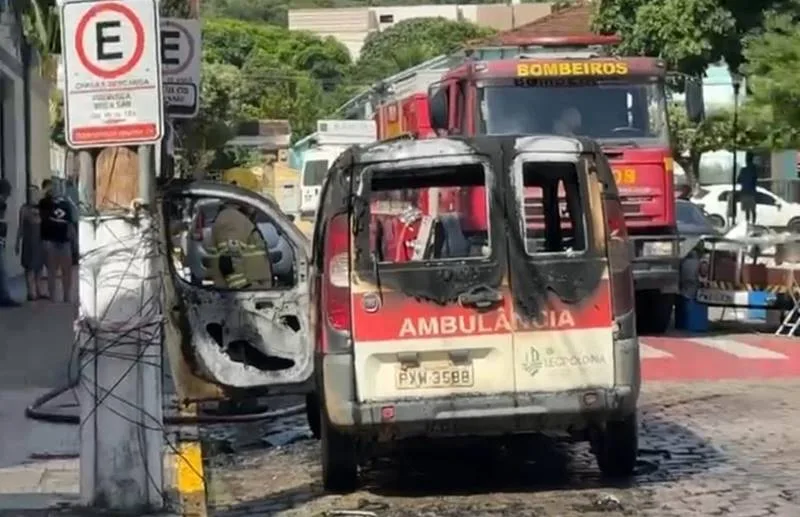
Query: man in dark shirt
[
  {"x": 57, "y": 234},
  {"x": 748, "y": 180}
]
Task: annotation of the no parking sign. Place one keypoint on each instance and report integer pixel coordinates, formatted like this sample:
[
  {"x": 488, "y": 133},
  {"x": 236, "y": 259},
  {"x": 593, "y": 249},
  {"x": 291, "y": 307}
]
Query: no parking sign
[{"x": 112, "y": 72}]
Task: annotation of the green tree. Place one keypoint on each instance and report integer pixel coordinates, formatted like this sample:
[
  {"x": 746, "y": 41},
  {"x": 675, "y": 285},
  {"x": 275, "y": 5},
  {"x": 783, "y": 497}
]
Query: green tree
[
  {"x": 204, "y": 136},
  {"x": 688, "y": 34},
  {"x": 690, "y": 140},
  {"x": 273, "y": 90},
  {"x": 41, "y": 29},
  {"x": 411, "y": 42},
  {"x": 773, "y": 69},
  {"x": 269, "y": 11},
  {"x": 233, "y": 41}
]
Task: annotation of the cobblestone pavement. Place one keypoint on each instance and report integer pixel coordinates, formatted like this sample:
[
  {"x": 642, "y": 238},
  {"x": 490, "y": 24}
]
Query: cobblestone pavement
[{"x": 722, "y": 448}]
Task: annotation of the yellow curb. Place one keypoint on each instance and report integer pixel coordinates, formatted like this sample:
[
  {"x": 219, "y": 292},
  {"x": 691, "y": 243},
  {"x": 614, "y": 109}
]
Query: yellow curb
[{"x": 190, "y": 478}]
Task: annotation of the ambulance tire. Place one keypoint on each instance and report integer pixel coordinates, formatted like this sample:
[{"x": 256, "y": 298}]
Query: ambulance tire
[
  {"x": 313, "y": 414},
  {"x": 339, "y": 458},
  {"x": 658, "y": 308},
  {"x": 616, "y": 448}
]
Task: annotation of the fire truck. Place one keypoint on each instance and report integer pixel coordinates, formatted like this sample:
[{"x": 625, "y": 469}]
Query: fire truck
[{"x": 568, "y": 85}]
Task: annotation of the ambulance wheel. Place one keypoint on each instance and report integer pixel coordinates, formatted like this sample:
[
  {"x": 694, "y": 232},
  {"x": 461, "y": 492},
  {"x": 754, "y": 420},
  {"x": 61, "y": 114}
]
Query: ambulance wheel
[
  {"x": 654, "y": 312},
  {"x": 313, "y": 414},
  {"x": 616, "y": 448},
  {"x": 339, "y": 458}
]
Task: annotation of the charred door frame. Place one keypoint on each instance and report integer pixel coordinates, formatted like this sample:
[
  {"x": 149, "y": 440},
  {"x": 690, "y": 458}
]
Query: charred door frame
[
  {"x": 195, "y": 354},
  {"x": 571, "y": 278},
  {"x": 440, "y": 281}
]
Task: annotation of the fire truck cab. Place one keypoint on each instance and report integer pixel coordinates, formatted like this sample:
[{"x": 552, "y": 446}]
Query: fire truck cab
[{"x": 572, "y": 86}]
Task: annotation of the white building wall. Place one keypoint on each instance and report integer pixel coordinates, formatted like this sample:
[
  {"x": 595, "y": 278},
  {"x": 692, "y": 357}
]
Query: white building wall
[{"x": 400, "y": 13}]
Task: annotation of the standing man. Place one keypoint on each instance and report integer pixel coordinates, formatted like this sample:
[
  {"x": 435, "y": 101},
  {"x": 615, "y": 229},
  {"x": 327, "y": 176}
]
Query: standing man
[
  {"x": 57, "y": 235},
  {"x": 5, "y": 295},
  {"x": 748, "y": 180}
]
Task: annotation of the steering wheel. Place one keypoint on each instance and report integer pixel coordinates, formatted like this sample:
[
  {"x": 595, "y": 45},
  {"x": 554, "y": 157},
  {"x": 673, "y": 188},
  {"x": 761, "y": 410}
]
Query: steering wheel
[{"x": 626, "y": 129}]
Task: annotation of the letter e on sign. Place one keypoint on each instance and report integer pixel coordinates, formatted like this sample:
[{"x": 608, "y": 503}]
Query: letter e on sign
[
  {"x": 180, "y": 65},
  {"x": 112, "y": 73}
]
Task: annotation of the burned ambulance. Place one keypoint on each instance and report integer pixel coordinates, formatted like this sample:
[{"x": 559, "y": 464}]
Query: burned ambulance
[{"x": 425, "y": 319}]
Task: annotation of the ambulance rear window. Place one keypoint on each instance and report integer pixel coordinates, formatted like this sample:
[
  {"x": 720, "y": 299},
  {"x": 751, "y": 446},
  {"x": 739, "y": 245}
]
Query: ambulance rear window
[
  {"x": 429, "y": 214},
  {"x": 555, "y": 219}
]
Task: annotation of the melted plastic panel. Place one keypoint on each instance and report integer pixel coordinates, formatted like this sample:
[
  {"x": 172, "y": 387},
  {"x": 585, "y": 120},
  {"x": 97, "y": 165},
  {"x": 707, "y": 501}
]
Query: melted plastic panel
[{"x": 246, "y": 339}]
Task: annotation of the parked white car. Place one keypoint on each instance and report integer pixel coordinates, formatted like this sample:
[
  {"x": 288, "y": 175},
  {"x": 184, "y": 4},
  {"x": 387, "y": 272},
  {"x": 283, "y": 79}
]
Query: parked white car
[{"x": 771, "y": 210}]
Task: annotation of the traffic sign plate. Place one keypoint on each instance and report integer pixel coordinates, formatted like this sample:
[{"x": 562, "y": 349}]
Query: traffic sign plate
[
  {"x": 180, "y": 66},
  {"x": 112, "y": 72}
]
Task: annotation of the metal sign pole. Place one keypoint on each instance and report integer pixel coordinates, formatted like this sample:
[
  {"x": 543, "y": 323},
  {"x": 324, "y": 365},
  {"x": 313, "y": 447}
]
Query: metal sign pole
[{"x": 113, "y": 100}]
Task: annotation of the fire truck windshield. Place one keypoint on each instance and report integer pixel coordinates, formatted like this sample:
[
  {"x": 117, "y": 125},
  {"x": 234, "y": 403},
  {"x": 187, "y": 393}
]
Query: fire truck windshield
[{"x": 611, "y": 111}]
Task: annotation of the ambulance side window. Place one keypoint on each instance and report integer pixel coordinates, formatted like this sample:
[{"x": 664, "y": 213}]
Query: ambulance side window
[{"x": 555, "y": 219}]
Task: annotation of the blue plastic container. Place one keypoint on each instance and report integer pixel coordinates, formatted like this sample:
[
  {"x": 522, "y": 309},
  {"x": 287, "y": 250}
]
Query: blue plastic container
[
  {"x": 690, "y": 315},
  {"x": 758, "y": 299}
]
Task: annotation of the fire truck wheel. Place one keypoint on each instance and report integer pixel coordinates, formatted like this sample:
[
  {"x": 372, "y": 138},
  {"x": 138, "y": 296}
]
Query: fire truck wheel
[
  {"x": 654, "y": 312},
  {"x": 339, "y": 458},
  {"x": 616, "y": 447},
  {"x": 313, "y": 414}
]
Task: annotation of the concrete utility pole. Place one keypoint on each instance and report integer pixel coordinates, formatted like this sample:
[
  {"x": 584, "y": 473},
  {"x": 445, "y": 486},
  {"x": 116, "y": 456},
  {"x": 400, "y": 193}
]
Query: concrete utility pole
[{"x": 113, "y": 100}]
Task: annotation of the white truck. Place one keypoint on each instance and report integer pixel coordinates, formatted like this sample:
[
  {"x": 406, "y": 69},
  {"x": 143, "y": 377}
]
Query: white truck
[{"x": 332, "y": 138}]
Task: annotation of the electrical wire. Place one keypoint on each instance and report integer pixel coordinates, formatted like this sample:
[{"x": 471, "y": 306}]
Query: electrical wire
[{"x": 137, "y": 340}]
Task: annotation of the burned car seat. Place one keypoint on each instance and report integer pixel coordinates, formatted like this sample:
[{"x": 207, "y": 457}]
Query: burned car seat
[{"x": 280, "y": 251}]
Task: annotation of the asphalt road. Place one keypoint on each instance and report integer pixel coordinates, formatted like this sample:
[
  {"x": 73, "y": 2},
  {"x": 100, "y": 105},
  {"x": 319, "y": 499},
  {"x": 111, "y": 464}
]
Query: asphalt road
[{"x": 725, "y": 448}]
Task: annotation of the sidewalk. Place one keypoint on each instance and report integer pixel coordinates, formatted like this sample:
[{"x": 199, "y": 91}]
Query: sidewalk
[{"x": 38, "y": 460}]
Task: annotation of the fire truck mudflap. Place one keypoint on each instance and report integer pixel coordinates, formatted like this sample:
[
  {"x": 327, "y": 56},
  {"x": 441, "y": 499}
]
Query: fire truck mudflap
[{"x": 488, "y": 331}]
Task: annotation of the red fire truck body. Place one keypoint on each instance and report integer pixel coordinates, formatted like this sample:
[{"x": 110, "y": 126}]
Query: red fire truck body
[{"x": 621, "y": 102}]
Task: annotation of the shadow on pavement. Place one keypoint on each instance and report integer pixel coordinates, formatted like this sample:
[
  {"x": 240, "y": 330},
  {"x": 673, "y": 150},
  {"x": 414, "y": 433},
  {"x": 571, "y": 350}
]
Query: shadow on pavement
[{"x": 668, "y": 452}]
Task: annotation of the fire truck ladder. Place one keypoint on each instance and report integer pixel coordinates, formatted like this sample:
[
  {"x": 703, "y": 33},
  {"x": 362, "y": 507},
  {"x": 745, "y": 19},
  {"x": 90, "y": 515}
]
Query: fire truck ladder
[{"x": 791, "y": 323}]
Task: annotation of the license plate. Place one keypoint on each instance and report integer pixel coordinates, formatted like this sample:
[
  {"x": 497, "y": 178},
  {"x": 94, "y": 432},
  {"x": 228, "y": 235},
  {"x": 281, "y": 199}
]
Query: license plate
[
  {"x": 712, "y": 296},
  {"x": 440, "y": 377}
]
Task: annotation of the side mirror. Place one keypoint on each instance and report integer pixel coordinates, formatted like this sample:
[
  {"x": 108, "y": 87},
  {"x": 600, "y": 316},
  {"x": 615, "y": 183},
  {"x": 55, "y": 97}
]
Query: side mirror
[
  {"x": 438, "y": 106},
  {"x": 695, "y": 106}
]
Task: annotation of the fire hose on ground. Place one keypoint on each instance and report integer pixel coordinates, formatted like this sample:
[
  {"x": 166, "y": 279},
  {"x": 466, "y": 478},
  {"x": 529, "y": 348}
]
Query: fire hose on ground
[{"x": 35, "y": 412}]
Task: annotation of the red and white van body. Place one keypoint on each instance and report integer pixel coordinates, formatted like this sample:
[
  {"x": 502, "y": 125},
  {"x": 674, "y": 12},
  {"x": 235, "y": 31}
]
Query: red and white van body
[{"x": 498, "y": 340}]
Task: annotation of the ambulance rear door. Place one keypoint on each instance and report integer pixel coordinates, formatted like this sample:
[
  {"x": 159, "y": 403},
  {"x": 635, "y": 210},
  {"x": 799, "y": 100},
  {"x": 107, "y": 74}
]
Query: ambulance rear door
[
  {"x": 430, "y": 311},
  {"x": 558, "y": 270}
]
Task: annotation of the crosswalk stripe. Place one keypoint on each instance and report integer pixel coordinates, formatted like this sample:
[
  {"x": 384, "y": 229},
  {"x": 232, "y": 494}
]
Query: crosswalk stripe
[
  {"x": 649, "y": 352},
  {"x": 737, "y": 348}
]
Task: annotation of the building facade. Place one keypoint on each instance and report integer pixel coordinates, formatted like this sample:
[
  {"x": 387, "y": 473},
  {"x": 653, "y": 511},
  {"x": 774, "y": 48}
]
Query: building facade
[
  {"x": 24, "y": 110},
  {"x": 352, "y": 25}
]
